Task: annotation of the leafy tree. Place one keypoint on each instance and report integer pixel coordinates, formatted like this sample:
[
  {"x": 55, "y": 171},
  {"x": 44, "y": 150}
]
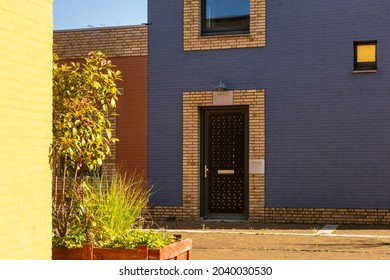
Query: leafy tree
[{"x": 84, "y": 100}]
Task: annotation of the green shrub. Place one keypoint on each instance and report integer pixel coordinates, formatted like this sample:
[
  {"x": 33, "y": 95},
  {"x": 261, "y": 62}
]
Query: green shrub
[
  {"x": 112, "y": 215},
  {"x": 132, "y": 238},
  {"x": 115, "y": 205},
  {"x": 74, "y": 239}
]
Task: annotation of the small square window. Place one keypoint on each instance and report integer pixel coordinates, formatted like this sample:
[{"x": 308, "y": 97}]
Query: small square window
[
  {"x": 365, "y": 56},
  {"x": 225, "y": 17}
]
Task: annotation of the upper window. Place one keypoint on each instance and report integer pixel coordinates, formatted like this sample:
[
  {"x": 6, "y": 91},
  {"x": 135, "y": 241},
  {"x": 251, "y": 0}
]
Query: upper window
[
  {"x": 225, "y": 17},
  {"x": 365, "y": 56}
]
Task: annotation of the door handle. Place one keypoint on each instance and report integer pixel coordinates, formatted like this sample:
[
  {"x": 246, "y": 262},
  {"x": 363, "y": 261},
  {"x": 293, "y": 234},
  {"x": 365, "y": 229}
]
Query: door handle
[{"x": 206, "y": 170}]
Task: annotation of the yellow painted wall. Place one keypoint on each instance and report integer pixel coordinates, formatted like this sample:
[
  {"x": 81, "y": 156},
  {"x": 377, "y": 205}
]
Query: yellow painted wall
[{"x": 26, "y": 29}]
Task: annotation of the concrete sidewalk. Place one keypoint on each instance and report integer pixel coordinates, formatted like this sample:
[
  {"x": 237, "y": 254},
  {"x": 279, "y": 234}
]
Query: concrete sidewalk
[
  {"x": 278, "y": 229},
  {"x": 255, "y": 241}
]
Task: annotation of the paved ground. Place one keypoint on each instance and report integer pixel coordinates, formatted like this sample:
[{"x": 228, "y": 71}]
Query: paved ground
[{"x": 251, "y": 241}]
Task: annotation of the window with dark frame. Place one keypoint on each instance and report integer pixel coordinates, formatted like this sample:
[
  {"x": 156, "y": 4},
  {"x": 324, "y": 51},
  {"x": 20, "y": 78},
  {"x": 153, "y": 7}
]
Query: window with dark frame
[
  {"x": 221, "y": 17},
  {"x": 365, "y": 58}
]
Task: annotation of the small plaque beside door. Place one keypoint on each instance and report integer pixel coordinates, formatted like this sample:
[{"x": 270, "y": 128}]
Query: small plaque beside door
[
  {"x": 226, "y": 172},
  {"x": 256, "y": 166}
]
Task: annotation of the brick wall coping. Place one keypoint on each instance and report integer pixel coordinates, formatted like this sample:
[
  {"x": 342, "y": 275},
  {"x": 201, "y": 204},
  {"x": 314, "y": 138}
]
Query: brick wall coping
[
  {"x": 117, "y": 41},
  {"x": 82, "y": 29}
]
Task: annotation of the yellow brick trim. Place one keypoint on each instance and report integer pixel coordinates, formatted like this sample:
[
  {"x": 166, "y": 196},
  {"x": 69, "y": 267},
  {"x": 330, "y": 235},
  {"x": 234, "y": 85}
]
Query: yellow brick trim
[
  {"x": 166, "y": 213},
  {"x": 113, "y": 41},
  {"x": 291, "y": 215},
  {"x": 193, "y": 40},
  {"x": 192, "y": 102},
  {"x": 327, "y": 215}
]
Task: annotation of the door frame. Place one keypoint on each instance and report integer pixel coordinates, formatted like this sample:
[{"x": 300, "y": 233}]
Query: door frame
[{"x": 203, "y": 199}]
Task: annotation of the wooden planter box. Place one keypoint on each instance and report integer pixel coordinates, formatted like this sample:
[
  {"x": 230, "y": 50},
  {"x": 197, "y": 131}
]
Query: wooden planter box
[{"x": 181, "y": 250}]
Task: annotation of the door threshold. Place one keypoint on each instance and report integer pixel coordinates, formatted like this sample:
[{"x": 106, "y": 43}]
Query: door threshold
[{"x": 224, "y": 220}]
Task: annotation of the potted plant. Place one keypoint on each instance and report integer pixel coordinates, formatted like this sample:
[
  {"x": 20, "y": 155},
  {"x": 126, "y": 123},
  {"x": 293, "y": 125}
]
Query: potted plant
[
  {"x": 109, "y": 224},
  {"x": 95, "y": 216}
]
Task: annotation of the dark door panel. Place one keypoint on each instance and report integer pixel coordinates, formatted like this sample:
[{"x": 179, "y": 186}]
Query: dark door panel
[{"x": 225, "y": 168}]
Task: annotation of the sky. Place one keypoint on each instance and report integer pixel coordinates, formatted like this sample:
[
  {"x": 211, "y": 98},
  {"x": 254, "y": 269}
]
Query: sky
[{"x": 73, "y": 14}]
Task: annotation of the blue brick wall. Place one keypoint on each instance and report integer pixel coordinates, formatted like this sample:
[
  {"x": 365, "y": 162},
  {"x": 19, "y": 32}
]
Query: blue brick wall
[{"x": 327, "y": 129}]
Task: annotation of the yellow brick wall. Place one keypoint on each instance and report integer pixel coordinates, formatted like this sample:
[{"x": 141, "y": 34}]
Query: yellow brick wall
[{"x": 25, "y": 128}]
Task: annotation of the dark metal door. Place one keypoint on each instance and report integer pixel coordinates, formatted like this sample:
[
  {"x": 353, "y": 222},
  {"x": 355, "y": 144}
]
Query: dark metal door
[{"x": 225, "y": 163}]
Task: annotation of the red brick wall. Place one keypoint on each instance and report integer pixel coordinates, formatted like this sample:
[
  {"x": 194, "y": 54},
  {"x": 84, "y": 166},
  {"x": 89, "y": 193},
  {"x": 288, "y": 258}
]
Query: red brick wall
[{"x": 131, "y": 150}]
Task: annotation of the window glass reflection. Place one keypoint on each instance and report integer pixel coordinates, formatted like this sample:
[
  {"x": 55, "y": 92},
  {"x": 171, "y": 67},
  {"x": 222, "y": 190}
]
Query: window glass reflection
[{"x": 226, "y": 16}]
